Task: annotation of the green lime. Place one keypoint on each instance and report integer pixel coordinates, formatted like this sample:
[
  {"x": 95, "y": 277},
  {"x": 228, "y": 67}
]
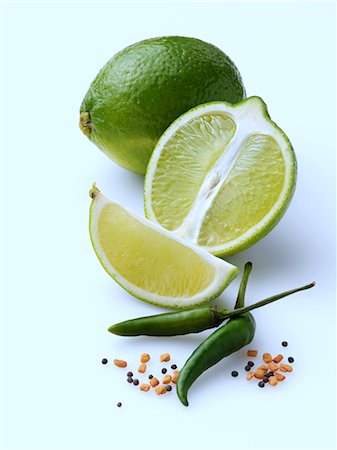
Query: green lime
[
  {"x": 150, "y": 262},
  {"x": 221, "y": 176},
  {"x": 145, "y": 87}
]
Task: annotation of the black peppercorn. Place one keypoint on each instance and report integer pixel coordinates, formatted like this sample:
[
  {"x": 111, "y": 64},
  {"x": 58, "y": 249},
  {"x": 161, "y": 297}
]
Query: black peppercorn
[
  {"x": 104, "y": 361},
  {"x": 234, "y": 373},
  {"x": 291, "y": 359}
]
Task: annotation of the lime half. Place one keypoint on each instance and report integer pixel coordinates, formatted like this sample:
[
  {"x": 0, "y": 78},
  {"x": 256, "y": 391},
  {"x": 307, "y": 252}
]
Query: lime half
[
  {"x": 221, "y": 176},
  {"x": 152, "y": 263}
]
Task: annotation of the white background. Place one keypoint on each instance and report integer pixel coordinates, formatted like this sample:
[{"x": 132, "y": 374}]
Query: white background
[{"x": 58, "y": 301}]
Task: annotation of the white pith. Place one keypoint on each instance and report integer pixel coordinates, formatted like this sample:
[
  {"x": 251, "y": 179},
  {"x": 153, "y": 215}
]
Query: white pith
[
  {"x": 249, "y": 120},
  {"x": 225, "y": 272}
]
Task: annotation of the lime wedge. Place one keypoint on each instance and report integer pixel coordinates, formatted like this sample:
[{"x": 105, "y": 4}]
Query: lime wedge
[
  {"x": 152, "y": 263},
  {"x": 221, "y": 176}
]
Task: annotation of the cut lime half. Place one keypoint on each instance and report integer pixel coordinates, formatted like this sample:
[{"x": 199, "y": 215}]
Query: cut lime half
[
  {"x": 152, "y": 263},
  {"x": 221, "y": 176}
]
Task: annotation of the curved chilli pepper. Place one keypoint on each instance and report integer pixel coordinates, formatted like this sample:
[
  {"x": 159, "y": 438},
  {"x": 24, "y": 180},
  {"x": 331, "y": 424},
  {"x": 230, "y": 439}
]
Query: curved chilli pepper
[
  {"x": 171, "y": 324},
  {"x": 236, "y": 333},
  {"x": 193, "y": 320}
]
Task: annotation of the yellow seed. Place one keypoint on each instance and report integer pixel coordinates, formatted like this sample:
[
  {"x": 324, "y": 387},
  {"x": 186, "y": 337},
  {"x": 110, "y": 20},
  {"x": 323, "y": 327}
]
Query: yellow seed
[
  {"x": 154, "y": 382},
  {"x": 273, "y": 381},
  {"x": 264, "y": 368},
  {"x": 250, "y": 375},
  {"x": 267, "y": 358},
  {"x": 279, "y": 376},
  {"x": 285, "y": 368},
  {"x": 160, "y": 390},
  {"x": 278, "y": 358},
  {"x": 167, "y": 379},
  {"x": 165, "y": 357},
  {"x": 120, "y": 363},
  {"x": 259, "y": 374},
  {"x": 175, "y": 376},
  {"x": 252, "y": 353},
  {"x": 142, "y": 368},
  {"x": 144, "y": 357},
  {"x": 272, "y": 366},
  {"x": 144, "y": 387}
]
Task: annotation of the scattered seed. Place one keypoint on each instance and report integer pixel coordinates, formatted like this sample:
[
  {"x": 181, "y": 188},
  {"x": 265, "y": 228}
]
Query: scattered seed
[
  {"x": 284, "y": 344},
  {"x": 175, "y": 376},
  {"x": 142, "y": 368},
  {"x": 259, "y": 374},
  {"x": 279, "y": 376},
  {"x": 119, "y": 404},
  {"x": 104, "y": 361},
  {"x": 129, "y": 380},
  {"x": 136, "y": 382},
  {"x": 272, "y": 367},
  {"x": 252, "y": 353},
  {"x": 261, "y": 384},
  {"x": 144, "y": 387},
  {"x": 145, "y": 357},
  {"x": 265, "y": 379},
  {"x": 163, "y": 370},
  {"x": 247, "y": 368},
  {"x": 168, "y": 388},
  {"x": 269, "y": 374},
  {"x": 160, "y": 390},
  {"x": 267, "y": 358},
  {"x": 278, "y": 358},
  {"x": 250, "y": 363},
  {"x": 165, "y": 357},
  {"x": 167, "y": 379},
  {"x": 263, "y": 367},
  {"x": 174, "y": 366},
  {"x": 285, "y": 368},
  {"x": 154, "y": 382},
  {"x": 234, "y": 373},
  {"x": 120, "y": 363},
  {"x": 273, "y": 381},
  {"x": 129, "y": 374},
  {"x": 291, "y": 359},
  {"x": 250, "y": 375}
]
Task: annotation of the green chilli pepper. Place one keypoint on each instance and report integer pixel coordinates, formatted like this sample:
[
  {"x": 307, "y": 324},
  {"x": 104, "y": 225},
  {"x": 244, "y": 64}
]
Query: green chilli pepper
[
  {"x": 235, "y": 334},
  {"x": 191, "y": 320}
]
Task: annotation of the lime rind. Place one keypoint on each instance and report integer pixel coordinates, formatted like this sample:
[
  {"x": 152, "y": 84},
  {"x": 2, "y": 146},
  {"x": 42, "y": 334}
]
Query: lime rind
[
  {"x": 225, "y": 272},
  {"x": 248, "y": 111}
]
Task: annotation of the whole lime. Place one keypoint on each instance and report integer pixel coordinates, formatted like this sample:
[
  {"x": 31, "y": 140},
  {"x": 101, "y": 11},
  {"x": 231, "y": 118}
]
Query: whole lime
[{"x": 142, "y": 89}]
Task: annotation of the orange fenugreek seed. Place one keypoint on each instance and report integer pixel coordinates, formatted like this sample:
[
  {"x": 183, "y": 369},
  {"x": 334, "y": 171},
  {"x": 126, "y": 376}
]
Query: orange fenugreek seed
[
  {"x": 175, "y": 376},
  {"x": 160, "y": 390},
  {"x": 272, "y": 366},
  {"x": 142, "y": 368},
  {"x": 264, "y": 368},
  {"x": 252, "y": 353},
  {"x": 145, "y": 357},
  {"x": 279, "y": 376},
  {"x": 250, "y": 375},
  {"x": 120, "y": 363},
  {"x": 267, "y": 358},
  {"x": 259, "y": 374},
  {"x": 167, "y": 379},
  {"x": 144, "y": 387},
  {"x": 154, "y": 382},
  {"x": 272, "y": 381},
  {"x": 285, "y": 368},
  {"x": 165, "y": 357},
  {"x": 278, "y": 358}
]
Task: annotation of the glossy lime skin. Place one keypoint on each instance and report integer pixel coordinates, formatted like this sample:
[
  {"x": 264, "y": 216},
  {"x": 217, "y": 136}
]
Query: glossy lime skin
[{"x": 146, "y": 86}]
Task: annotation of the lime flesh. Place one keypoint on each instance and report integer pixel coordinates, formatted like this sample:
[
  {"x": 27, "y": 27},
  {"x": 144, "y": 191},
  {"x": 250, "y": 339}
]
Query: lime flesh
[
  {"x": 152, "y": 263},
  {"x": 221, "y": 176}
]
